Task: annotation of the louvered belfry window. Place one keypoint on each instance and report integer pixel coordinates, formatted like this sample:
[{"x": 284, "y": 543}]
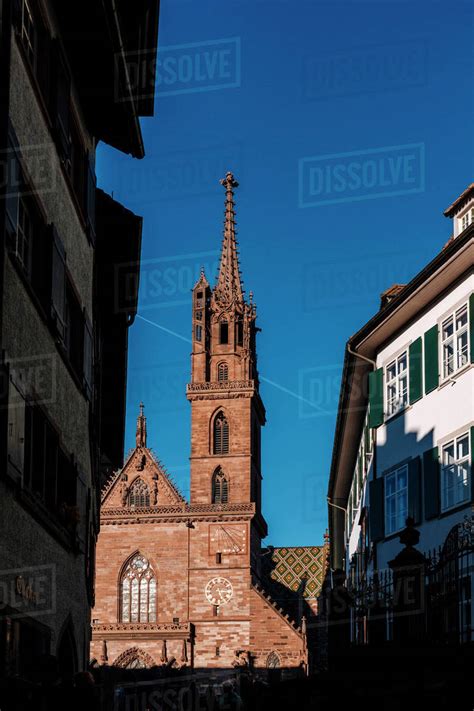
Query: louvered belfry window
[
  {"x": 138, "y": 591},
  {"x": 222, "y": 372},
  {"x": 221, "y": 434},
  {"x": 139, "y": 494},
  {"x": 220, "y": 487}
]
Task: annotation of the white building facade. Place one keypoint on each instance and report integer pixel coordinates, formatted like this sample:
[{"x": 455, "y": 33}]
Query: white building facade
[{"x": 404, "y": 443}]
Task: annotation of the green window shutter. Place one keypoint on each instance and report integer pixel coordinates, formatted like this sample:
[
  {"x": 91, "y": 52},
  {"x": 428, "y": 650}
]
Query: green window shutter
[
  {"x": 471, "y": 325},
  {"x": 376, "y": 510},
  {"x": 431, "y": 359},
  {"x": 472, "y": 463},
  {"x": 415, "y": 370},
  {"x": 376, "y": 398},
  {"x": 431, "y": 475},
  {"x": 414, "y": 489}
]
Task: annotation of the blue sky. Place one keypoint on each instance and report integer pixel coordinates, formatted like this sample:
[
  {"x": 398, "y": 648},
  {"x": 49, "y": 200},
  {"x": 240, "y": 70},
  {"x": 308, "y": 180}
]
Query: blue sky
[{"x": 349, "y": 127}]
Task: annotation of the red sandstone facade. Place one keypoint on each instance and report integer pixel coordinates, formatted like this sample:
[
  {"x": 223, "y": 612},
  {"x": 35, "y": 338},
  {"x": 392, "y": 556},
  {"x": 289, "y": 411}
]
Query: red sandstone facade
[{"x": 181, "y": 583}]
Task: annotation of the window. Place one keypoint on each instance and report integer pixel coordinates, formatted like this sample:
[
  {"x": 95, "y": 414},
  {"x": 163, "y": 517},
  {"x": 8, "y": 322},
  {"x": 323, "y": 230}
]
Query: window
[
  {"x": 239, "y": 332},
  {"x": 74, "y": 330},
  {"x": 49, "y": 473},
  {"x": 396, "y": 500},
  {"x": 23, "y": 235},
  {"x": 138, "y": 591},
  {"x": 273, "y": 667},
  {"x": 224, "y": 332},
  {"x": 396, "y": 378},
  {"x": 455, "y": 473},
  {"x": 88, "y": 358},
  {"x": 25, "y": 224},
  {"x": 455, "y": 341},
  {"x": 199, "y": 315},
  {"x": 220, "y": 487},
  {"x": 62, "y": 105},
  {"x": 139, "y": 494},
  {"x": 273, "y": 660},
  {"x": 222, "y": 372},
  {"x": 221, "y": 434},
  {"x": 28, "y": 32},
  {"x": 467, "y": 218},
  {"x": 198, "y": 332}
]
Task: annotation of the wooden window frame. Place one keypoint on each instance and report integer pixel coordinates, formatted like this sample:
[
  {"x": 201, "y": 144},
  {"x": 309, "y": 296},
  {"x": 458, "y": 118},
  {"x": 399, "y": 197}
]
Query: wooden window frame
[
  {"x": 458, "y": 461},
  {"x": 452, "y": 316},
  {"x": 396, "y": 473},
  {"x": 401, "y": 400}
]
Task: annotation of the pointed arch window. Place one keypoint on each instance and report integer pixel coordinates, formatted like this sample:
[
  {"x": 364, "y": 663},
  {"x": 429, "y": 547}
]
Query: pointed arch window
[
  {"x": 221, "y": 434},
  {"x": 139, "y": 494},
  {"x": 239, "y": 332},
  {"x": 222, "y": 372},
  {"x": 273, "y": 661},
  {"x": 224, "y": 332},
  {"x": 138, "y": 591},
  {"x": 220, "y": 487}
]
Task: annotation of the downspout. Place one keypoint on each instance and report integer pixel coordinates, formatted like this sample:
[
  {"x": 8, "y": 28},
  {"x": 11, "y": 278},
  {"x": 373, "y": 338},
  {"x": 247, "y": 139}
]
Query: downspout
[{"x": 341, "y": 508}]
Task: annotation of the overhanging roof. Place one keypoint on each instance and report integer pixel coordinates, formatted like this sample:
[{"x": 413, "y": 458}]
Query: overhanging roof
[{"x": 102, "y": 40}]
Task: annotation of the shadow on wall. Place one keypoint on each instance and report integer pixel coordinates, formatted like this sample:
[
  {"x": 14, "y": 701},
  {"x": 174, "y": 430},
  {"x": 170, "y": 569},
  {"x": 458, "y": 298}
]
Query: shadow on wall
[{"x": 116, "y": 689}]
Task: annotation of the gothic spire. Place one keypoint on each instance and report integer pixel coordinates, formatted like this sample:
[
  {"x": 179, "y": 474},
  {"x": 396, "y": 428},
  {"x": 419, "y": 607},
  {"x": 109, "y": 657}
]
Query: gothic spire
[
  {"x": 228, "y": 286},
  {"x": 141, "y": 428}
]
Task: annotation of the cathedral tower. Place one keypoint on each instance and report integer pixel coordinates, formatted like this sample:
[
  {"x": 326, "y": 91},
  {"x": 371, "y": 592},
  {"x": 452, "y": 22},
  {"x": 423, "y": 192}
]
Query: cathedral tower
[
  {"x": 186, "y": 583},
  {"x": 227, "y": 412}
]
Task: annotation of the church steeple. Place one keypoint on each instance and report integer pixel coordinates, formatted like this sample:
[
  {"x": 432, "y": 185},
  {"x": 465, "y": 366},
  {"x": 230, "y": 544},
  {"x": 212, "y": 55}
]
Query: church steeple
[
  {"x": 228, "y": 288},
  {"x": 141, "y": 428},
  {"x": 224, "y": 326},
  {"x": 227, "y": 412}
]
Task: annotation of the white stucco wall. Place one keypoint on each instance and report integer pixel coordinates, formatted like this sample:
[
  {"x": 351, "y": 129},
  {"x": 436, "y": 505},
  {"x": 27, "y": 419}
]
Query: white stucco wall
[{"x": 423, "y": 425}]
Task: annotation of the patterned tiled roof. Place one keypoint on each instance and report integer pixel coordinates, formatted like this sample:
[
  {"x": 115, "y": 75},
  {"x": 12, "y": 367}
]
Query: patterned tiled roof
[{"x": 299, "y": 569}]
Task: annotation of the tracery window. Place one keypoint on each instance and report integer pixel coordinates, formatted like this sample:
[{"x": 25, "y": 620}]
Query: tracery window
[
  {"x": 273, "y": 660},
  {"x": 139, "y": 494},
  {"x": 138, "y": 591},
  {"x": 221, "y": 434},
  {"x": 222, "y": 372},
  {"x": 220, "y": 487}
]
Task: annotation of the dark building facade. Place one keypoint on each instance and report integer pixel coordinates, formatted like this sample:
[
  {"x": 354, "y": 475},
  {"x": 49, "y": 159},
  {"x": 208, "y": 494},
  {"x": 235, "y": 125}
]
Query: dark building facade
[{"x": 69, "y": 264}]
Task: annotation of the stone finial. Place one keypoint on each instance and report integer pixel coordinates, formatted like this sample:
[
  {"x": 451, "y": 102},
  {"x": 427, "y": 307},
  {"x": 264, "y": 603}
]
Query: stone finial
[
  {"x": 410, "y": 536},
  {"x": 141, "y": 427},
  {"x": 229, "y": 181}
]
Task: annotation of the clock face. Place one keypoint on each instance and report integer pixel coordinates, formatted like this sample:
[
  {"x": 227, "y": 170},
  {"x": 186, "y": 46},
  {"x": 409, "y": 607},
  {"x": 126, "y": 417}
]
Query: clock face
[
  {"x": 219, "y": 591},
  {"x": 227, "y": 538}
]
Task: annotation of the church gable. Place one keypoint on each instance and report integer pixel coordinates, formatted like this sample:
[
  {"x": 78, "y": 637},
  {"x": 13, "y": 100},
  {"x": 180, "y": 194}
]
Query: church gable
[{"x": 143, "y": 482}]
